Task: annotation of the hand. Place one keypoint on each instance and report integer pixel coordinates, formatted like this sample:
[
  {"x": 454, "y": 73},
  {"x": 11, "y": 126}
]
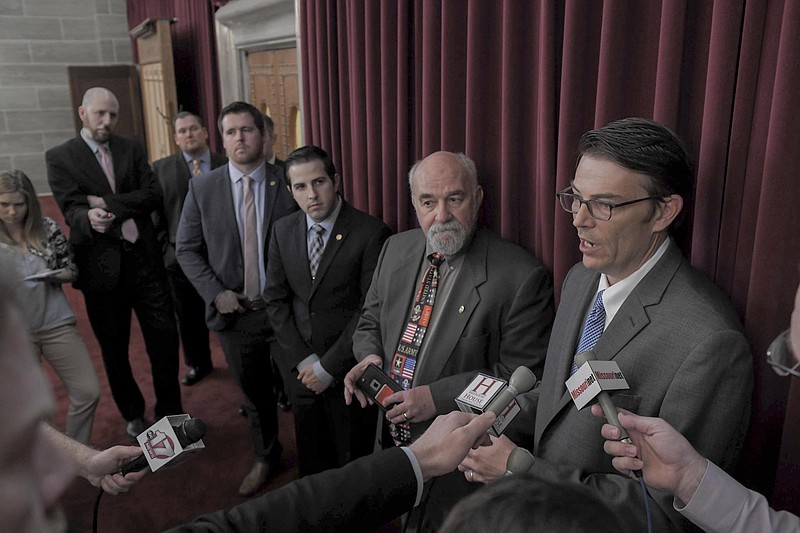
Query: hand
[
  {"x": 100, "y": 219},
  {"x": 666, "y": 458},
  {"x": 102, "y": 468},
  {"x": 96, "y": 201},
  {"x": 448, "y": 439},
  {"x": 308, "y": 378},
  {"x": 487, "y": 462},
  {"x": 227, "y": 302},
  {"x": 413, "y": 405},
  {"x": 352, "y": 377}
]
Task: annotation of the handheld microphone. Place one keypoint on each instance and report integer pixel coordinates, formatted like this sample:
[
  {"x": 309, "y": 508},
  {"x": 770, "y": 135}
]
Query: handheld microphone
[
  {"x": 604, "y": 399},
  {"x": 190, "y": 431},
  {"x": 595, "y": 382},
  {"x": 488, "y": 393},
  {"x": 521, "y": 381}
]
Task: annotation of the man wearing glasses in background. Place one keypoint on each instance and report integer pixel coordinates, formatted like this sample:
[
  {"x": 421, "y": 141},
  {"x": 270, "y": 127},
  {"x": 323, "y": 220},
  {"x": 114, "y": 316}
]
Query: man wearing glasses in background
[{"x": 634, "y": 300}]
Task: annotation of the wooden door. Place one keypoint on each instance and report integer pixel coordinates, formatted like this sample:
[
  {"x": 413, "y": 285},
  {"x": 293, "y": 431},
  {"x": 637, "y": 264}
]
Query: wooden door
[
  {"x": 275, "y": 90},
  {"x": 157, "y": 75}
]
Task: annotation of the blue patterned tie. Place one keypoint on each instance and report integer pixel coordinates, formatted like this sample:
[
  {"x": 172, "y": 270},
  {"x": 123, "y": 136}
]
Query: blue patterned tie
[{"x": 592, "y": 329}]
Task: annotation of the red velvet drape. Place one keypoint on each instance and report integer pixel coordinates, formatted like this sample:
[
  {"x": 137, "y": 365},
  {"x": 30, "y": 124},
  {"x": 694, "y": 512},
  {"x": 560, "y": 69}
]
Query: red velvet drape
[
  {"x": 514, "y": 83},
  {"x": 194, "y": 55}
]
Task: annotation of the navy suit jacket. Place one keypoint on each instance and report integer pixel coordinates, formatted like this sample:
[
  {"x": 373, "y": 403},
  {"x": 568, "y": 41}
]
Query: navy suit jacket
[
  {"x": 73, "y": 173},
  {"x": 173, "y": 176},
  {"x": 207, "y": 244},
  {"x": 320, "y": 315}
]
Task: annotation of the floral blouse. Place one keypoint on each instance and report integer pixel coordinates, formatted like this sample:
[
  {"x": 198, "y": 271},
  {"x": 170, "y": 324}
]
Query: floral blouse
[{"x": 57, "y": 251}]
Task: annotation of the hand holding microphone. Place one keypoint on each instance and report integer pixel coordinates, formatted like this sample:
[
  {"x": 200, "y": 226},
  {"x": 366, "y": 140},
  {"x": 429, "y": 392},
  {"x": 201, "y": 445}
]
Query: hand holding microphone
[
  {"x": 190, "y": 431},
  {"x": 521, "y": 381}
]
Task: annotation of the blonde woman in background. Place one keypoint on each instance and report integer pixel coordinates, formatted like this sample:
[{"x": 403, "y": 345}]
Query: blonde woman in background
[{"x": 43, "y": 257}]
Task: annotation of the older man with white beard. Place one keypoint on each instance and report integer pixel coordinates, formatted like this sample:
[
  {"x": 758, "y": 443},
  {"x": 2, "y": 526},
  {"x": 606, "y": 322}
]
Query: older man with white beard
[{"x": 447, "y": 301}]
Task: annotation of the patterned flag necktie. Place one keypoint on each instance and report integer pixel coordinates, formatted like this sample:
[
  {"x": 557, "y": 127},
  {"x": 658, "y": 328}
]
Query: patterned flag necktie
[
  {"x": 129, "y": 230},
  {"x": 592, "y": 329},
  {"x": 317, "y": 247},
  {"x": 196, "y": 168},
  {"x": 405, "y": 358},
  {"x": 252, "y": 285}
]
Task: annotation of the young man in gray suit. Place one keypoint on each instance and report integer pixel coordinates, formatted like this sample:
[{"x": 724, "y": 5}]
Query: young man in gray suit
[
  {"x": 222, "y": 245},
  {"x": 672, "y": 332},
  {"x": 174, "y": 173}
]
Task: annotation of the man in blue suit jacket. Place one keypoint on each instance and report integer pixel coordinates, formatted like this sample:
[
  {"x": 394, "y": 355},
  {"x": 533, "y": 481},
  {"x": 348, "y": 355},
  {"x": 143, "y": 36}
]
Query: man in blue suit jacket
[
  {"x": 314, "y": 314},
  {"x": 211, "y": 253}
]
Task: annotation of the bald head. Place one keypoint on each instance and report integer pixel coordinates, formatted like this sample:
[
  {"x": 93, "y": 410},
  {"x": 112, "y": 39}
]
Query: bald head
[
  {"x": 446, "y": 195},
  {"x": 98, "y": 113}
]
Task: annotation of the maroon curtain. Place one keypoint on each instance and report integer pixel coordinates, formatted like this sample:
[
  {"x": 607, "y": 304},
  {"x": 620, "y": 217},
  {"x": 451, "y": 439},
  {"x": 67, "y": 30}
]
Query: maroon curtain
[
  {"x": 194, "y": 54},
  {"x": 514, "y": 83}
]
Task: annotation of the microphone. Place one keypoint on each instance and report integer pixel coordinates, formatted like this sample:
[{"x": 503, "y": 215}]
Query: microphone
[
  {"x": 519, "y": 461},
  {"x": 521, "y": 381},
  {"x": 488, "y": 393},
  {"x": 594, "y": 382},
  {"x": 609, "y": 409},
  {"x": 157, "y": 443}
]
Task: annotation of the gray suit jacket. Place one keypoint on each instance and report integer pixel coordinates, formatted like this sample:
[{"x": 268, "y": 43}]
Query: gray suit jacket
[
  {"x": 683, "y": 353},
  {"x": 173, "y": 175},
  {"x": 207, "y": 244},
  {"x": 497, "y": 318}
]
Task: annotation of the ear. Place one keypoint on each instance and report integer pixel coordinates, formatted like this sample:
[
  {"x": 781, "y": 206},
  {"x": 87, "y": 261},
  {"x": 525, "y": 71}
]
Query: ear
[
  {"x": 336, "y": 181},
  {"x": 478, "y": 197},
  {"x": 81, "y": 112},
  {"x": 669, "y": 209}
]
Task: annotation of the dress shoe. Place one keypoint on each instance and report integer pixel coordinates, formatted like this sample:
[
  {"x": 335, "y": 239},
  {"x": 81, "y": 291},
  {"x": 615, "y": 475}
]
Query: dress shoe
[
  {"x": 256, "y": 478},
  {"x": 195, "y": 374},
  {"x": 136, "y": 427},
  {"x": 283, "y": 402}
]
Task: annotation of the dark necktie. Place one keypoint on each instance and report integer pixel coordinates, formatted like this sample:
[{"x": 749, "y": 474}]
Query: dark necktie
[
  {"x": 317, "y": 247},
  {"x": 405, "y": 358}
]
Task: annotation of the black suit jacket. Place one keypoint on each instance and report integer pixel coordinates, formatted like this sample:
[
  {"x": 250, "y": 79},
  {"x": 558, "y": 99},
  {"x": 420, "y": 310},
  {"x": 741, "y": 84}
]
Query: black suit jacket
[
  {"x": 361, "y": 496},
  {"x": 207, "y": 243},
  {"x": 74, "y": 172},
  {"x": 320, "y": 316},
  {"x": 173, "y": 176}
]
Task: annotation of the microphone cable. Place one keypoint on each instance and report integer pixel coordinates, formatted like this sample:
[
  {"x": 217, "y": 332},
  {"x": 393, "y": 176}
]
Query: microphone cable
[
  {"x": 94, "y": 511},
  {"x": 646, "y": 496}
]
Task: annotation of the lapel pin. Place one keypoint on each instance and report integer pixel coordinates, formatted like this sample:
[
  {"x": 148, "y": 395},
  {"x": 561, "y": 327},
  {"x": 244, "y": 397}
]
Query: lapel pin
[
  {"x": 338, "y": 236},
  {"x": 460, "y": 308},
  {"x": 272, "y": 183}
]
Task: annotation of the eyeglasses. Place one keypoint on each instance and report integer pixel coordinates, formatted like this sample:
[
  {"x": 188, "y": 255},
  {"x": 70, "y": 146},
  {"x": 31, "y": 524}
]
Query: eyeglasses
[
  {"x": 779, "y": 357},
  {"x": 599, "y": 209}
]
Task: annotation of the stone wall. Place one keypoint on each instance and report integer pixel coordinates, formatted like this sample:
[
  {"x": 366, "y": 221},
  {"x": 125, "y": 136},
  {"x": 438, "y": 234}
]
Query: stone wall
[{"x": 38, "y": 40}]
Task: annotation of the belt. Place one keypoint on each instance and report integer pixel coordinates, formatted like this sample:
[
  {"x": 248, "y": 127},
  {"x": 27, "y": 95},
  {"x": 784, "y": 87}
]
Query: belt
[{"x": 253, "y": 304}]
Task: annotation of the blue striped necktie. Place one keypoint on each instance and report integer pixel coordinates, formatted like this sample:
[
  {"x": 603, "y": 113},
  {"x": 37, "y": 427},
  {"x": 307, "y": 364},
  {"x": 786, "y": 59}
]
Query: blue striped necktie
[{"x": 592, "y": 329}]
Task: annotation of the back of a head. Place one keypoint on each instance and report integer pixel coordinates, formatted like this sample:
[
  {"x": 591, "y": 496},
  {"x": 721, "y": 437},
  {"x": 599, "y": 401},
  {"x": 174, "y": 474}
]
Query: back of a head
[{"x": 526, "y": 504}]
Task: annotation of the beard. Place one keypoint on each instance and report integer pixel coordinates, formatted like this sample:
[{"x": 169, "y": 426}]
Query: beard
[{"x": 448, "y": 238}]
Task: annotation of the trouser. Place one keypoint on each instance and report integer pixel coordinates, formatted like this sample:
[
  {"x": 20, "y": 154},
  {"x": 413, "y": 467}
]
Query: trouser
[
  {"x": 142, "y": 287},
  {"x": 190, "y": 309},
  {"x": 246, "y": 343},
  {"x": 63, "y": 348}
]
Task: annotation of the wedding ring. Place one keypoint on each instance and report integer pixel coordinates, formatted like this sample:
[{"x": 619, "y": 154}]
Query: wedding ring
[
  {"x": 406, "y": 417},
  {"x": 471, "y": 475}
]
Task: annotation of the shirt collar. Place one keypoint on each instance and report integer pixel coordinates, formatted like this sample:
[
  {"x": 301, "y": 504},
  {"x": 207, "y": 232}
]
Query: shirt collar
[
  {"x": 87, "y": 138},
  {"x": 258, "y": 175},
  {"x": 203, "y": 158},
  {"x": 615, "y": 295}
]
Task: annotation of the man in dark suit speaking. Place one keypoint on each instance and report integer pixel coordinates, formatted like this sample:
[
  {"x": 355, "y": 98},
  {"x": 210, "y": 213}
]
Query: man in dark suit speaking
[
  {"x": 635, "y": 300},
  {"x": 222, "y": 245},
  {"x": 321, "y": 261},
  {"x": 174, "y": 173},
  {"x": 107, "y": 191}
]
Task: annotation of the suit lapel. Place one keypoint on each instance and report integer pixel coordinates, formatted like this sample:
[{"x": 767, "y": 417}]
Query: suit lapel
[
  {"x": 91, "y": 166},
  {"x": 272, "y": 182},
  {"x": 297, "y": 253},
  {"x": 227, "y": 212},
  {"x": 403, "y": 280},
  {"x": 182, "y": 174}
]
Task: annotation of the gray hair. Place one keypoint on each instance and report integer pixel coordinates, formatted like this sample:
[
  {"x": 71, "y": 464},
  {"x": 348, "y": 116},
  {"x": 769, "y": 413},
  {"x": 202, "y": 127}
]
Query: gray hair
[{"x": 469, "y": 166}]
